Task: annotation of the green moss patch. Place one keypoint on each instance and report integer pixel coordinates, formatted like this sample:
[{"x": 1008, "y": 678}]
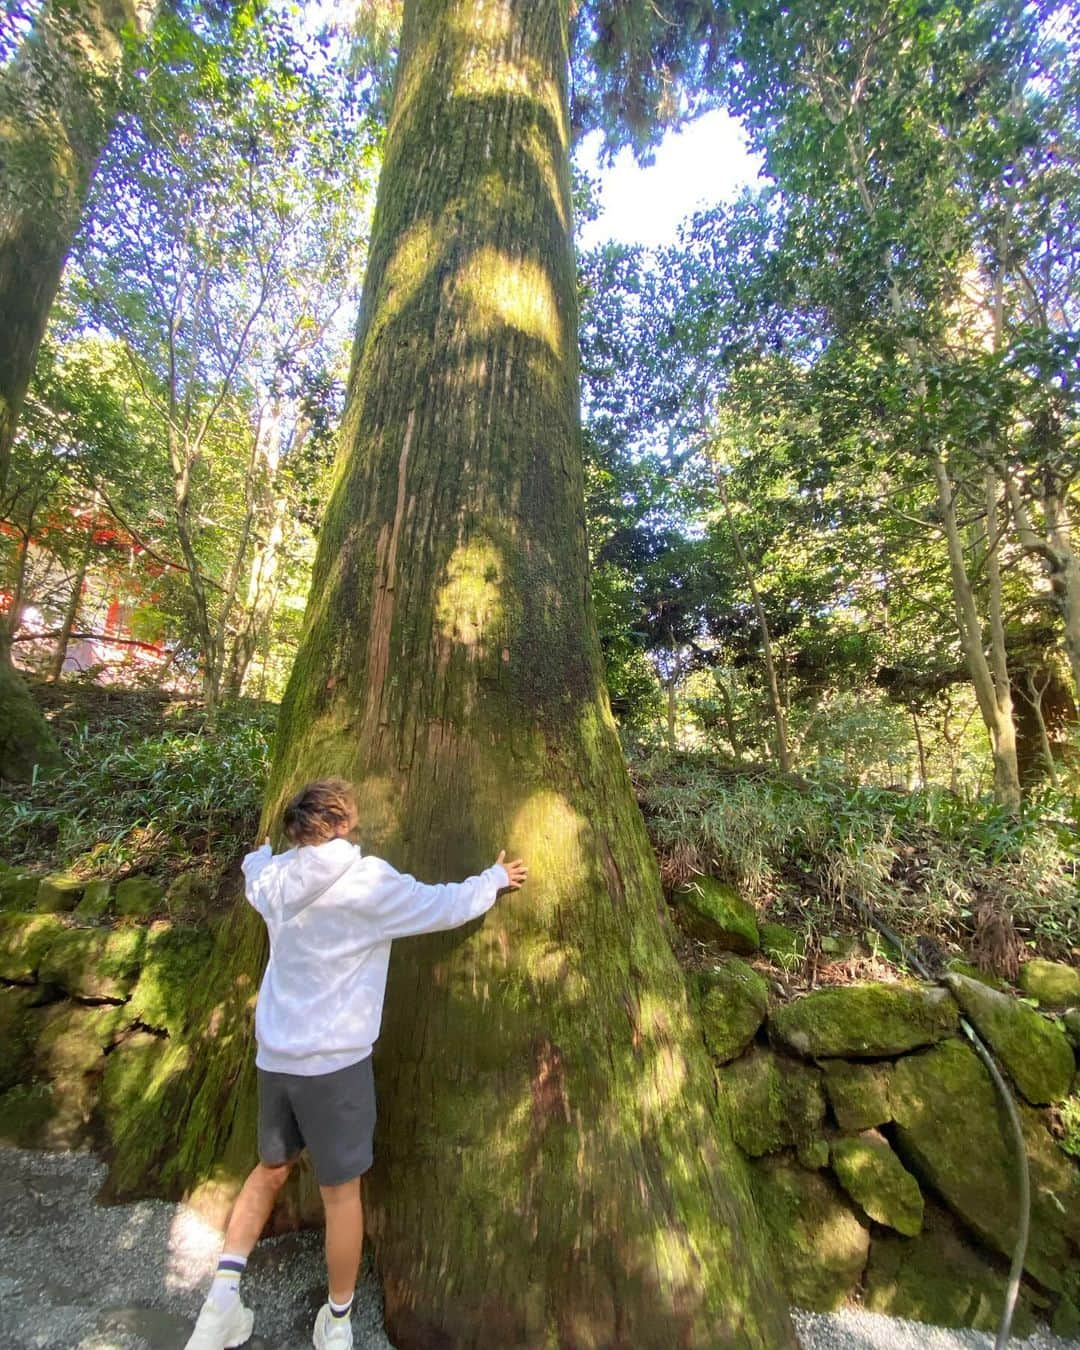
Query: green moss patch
[
  {"x": 138, "y": 897},
  {"x": 134, "y": 1091},
  {"x": 96, "y": 899},
  {"x": 864, "y": 1020},
  {"x": 734, "y": 1001},
  {"x": 1033, "y": 1050},
  {"x": 816, "y": 1239},
  {"x": 172, "y": 961},
  {"x": 952, "y": 1133},
  {"x": 24, "y": 941},
  {"x": 937, "y": 1278},
  {"x": 94, "y": 962},
  {"x": 59, "y": 893},
  {"x": 782, "y": 944},
  {"x": 717, "y": 913},
  {"x": 858, "y": 1093},
  {"x": 17, "y": 1031},
  {"x": 878, "y": 1182},
  {"x": 1052, "y": 983},
  {"x": 773, "y": 1102}
]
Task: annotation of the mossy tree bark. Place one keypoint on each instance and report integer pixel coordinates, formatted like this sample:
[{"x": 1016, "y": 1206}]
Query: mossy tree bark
[
  {"x": 551, "y": 1165},
  {"x": 58, "y": 98}
]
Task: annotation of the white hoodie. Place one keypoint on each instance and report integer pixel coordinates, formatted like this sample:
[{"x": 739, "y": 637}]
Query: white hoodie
[{"x": 331, "y": 914}]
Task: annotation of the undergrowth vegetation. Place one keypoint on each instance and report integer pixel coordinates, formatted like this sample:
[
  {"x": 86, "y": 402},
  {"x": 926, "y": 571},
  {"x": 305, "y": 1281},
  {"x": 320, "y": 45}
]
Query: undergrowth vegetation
[
  {"x": 146, "y": 783},
  {"x": 150, "y": 784},
  {"x": 929, "y": 862}
]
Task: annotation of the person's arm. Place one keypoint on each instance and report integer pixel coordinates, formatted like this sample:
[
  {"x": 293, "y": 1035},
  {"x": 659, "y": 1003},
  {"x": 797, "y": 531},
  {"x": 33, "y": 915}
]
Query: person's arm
[
  {"x": 405, "y": 907},
  {"x": 251, "y": 867}
]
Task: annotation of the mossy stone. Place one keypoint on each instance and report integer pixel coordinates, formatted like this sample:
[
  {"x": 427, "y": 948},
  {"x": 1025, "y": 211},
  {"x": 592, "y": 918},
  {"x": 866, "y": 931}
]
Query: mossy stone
[
  {"x": 18, "y": 890},
  {"x": 773, "y": 1101},
  {"x": 974, "y": 973},
  {"x": 24, "y": 941},
  {"x": 95, "y": 962},
  {"x": 190, "y": 893},
  {"x": 952, "y": 1133},
  {"x": 716, "y": 912},
  {"x": 818, "y": 1243},
  {"x": 814, "y": 1155},
  {"x": 59, "y": 893},
  {"x": 864, "y": 1020},
  {"x": 877, "y": 1181},
  {"x": 55, "y": 1108},
  {"x": 858, "y": 1093},
  {"x": 1066, "y": 1320},
  {"x": 1053, "y": 983},
  {"x": 137, "y": 1077},
  {"x": 1071, "y": 1022},
  {"x": 172, "y": 961},
  {"x": 96, "y": 899},
  {"x": 17, "y": 1032},
  {"x": 734, "y": 1001},
  {"x": 138, "y": 897},
  {"x": 1034, "y": 1051},
  {"x": 938, "y": 1278},
  {"x": 782, "y": 944}
]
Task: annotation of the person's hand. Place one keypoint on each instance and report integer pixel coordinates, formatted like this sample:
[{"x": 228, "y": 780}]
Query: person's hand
[{"x": 516, "y": 871}]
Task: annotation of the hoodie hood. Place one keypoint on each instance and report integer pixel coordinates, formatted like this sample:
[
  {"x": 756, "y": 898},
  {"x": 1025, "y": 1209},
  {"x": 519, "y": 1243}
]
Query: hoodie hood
[{"x": 301, "y": 875}]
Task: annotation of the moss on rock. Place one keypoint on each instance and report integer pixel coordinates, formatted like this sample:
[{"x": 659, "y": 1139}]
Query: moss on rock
[
  {"x": 1033, "y": 1050},
  {"x": 782, "y": 944},
  {"x": 18, "y": 890},
  {"x": 938, "y": 1278},
  {"x": 58, "y": 893},
  {"x": 172, "y": 960},
  {"x": 16, "y": 1034},
  {"x": 813, "y": 1155},
  {"x": 55, "y": 1107},
  {"x": 952, "y": 1133},
  {"x": 858, "y": 1093},
  {"x": 24, "y": 941},
  {"x": 136, "y": 1082},
  {"x": 864, "y": 1020},
  {"x": 96, "y": 899},
  {"x": 716, "y": 912},
  {"x": 734, "y": 1001},
  {"x": 95, "y": 962},
  {"x": 1052, "y": 983},
  {"x": 816, "y": 1238},
  {"x": 878, "y": 1182},
  {"x": 773, "y": 1102},
  {"x": 138, "y": 897}
]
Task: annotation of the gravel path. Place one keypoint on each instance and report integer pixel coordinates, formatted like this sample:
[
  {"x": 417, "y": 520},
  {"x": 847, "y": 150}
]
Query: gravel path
[{"x": 75, "y": 1275}]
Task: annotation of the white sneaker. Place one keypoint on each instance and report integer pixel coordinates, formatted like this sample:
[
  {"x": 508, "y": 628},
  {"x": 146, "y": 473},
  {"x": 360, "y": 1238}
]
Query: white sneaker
[
  {"x": 331, "y": 1333},
  {"x": 217, "y": 1330}
]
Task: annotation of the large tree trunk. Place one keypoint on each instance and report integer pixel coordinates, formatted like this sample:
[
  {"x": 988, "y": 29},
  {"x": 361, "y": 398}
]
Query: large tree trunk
[
  {"x": 58, "y": 98},
  {"x": 551, "y": 1166}
]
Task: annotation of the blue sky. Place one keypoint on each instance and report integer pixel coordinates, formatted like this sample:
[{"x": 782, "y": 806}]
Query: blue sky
[{"x": 705, "y": 163}]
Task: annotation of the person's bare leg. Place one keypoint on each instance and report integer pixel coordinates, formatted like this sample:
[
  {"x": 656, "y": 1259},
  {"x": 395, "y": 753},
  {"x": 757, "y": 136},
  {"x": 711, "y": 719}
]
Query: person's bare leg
[
  {"x": 254, "y": 1205},
  {"x": 344, "y": 1237}
]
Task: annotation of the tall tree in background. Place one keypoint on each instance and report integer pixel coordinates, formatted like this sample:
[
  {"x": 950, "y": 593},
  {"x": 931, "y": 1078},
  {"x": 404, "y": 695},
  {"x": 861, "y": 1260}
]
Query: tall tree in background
[
  {"x": 58, "y": 98},
  {"x": 552, "y": 1168}
]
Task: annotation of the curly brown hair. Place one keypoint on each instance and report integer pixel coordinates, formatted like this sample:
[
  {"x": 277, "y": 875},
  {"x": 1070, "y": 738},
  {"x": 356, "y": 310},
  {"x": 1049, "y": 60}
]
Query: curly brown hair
[{"x": 323, "y": 810}]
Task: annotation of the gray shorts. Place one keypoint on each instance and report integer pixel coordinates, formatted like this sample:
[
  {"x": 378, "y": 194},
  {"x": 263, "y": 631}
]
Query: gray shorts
[{"x": 330, "y": 1114}]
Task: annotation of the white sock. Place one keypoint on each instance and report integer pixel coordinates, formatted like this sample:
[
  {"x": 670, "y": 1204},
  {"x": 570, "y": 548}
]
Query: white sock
[{"x": 225, "y": 1291}]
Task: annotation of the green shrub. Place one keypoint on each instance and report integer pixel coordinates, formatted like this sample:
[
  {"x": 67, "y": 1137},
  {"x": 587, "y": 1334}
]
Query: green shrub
[
  {"x": 131, "y": 793},
  {"x": 926, "y": 860}
]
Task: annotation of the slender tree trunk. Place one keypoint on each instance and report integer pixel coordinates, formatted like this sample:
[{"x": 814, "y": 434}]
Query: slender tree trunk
[
  {"x": 1034, "y": 695},
  {"x": 922, "y": 749},
  {"x": 552, "y": 1170},
  {"x": 71, "y": 614},
  {"x": 995, "y": 705},
  {"x": 783, "y": 754}
]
